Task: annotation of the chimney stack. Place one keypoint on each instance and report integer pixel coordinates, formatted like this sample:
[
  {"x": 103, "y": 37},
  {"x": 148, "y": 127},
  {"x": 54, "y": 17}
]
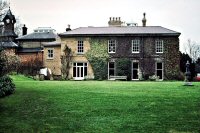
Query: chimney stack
[
  {"x": 115, "y": 21},
  {"x": 24, "y": 30},
  {"x": 144, "y": 21}
]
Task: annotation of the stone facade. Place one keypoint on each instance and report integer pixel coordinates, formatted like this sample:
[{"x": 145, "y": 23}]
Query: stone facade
[
  {"x": 76, "y": 57},
  {"x": 147, "y": 57},
  {"x": 54, "y": 64}
]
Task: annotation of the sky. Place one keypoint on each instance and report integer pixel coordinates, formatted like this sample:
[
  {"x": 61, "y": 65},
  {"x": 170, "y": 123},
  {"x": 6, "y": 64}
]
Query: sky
[{"x": 178, "y": 15}]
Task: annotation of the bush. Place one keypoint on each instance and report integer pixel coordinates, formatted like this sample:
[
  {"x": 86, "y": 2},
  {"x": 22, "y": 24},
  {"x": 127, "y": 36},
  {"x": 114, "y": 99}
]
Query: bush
[
  {"x": 123, "y": 68},
  {"x": 153, "y": 78},
  {"x": 7, "y": 87}
]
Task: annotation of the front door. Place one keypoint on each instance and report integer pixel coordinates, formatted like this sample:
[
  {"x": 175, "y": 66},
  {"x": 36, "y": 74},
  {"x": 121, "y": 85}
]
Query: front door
[
  {"x": 79, "y": 71},
  {"x": 135, "y": 71}
]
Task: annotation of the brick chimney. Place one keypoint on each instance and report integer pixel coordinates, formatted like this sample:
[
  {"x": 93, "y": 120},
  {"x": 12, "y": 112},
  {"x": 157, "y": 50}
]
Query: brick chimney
[
  {"x": 144, "y": 21},
  {"x": 115, "y": 21},
  {"x": 24, "y": 30}
]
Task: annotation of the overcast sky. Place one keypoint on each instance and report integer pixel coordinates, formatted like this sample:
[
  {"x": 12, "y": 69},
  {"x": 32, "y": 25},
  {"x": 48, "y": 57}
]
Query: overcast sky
[{"x": 179, "y": 15}]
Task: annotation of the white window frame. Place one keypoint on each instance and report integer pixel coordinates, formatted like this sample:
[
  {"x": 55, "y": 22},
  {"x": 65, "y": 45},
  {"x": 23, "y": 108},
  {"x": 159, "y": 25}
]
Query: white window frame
[
  {"x": 80, "y": 47},
  {"x": 85, "y": 64},
  {"x": 160, "y": 69},
  {"x": 136, "y": 45},
  {"x": 112, "y": 42},
  {"x": 48, "y": 53},
  {"x": 159, "y": 46}
]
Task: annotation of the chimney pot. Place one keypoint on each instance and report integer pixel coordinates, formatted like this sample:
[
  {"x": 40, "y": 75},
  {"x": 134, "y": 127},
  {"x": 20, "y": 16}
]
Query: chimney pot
[
  {"x": 68, "y": 28},
  {"x": 144, "y": 20},
  {"x": 24, "y": 30}
]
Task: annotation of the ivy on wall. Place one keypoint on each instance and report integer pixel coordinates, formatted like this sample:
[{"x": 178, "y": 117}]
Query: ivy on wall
[
  {"x": 123, "y": 67},
  {"x": 98, "y": 58},
  {"x": 65, "y": 61}
]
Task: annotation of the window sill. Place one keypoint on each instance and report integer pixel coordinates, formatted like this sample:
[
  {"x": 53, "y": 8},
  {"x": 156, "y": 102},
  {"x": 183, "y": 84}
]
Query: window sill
[
  {"x": 111, "y": 52},
  {"x": 135, "y": 52},
  {"x": 50, "y": 58},
  {"x": 80, "y": 53},
  {"x": 159, "y": 52}
]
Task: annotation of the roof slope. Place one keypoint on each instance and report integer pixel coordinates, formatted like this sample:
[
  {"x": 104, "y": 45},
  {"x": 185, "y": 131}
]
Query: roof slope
[
  {"x": 8, "y": 44},
  {"x": 38, "y": 36},
  {"x": 128, "y": 30}
]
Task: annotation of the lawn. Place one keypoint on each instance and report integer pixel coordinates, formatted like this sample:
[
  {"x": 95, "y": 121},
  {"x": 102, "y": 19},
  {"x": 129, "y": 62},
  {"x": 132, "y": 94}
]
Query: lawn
[{"x": 100, "y": 106}]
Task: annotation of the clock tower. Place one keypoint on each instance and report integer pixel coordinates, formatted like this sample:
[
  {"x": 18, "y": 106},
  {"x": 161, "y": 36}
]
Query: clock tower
[{"x": 9, "y": 22}]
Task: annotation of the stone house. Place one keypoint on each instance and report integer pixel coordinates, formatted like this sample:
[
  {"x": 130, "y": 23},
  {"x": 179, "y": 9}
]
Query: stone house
[
  {"x": 30, "y": 50},
  {"x": 148, "y": 50}
]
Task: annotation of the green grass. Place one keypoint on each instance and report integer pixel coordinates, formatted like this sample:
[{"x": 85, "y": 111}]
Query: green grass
[{"x": 100, "y": 106}]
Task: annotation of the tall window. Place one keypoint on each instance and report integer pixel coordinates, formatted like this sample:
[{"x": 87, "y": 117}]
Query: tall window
[
  {"x": 111, "y": 46},
  {"x": 80, "y": 47},
  {"x": 135, "y": 46},
  {"x": 50, "y": 54},
  {"x": 135, "y": 71},
  {"x": 159, "y": 46},
  {"x": 111, "y": 68},
  {"x": 80, "y": 70},
  {"x": 159, "y": 70}
]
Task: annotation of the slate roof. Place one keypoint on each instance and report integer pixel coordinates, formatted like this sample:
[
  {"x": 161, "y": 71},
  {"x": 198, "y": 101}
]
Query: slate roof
[
  {"x": 38, "y": 36},
  {"x": 126, "y": 30},
  {"x": 8, "y": 44},
  {"x": 29, "y": 50}
]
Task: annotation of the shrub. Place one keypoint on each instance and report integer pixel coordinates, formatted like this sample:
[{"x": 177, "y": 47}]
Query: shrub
[
  {"x": 153, "y": 78},
  {"x": 123, "y": 68},
  {"x": 7, "y": 87}
]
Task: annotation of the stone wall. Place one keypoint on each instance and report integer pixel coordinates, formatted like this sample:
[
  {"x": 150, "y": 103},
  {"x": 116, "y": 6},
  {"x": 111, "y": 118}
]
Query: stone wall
[
  {"x": 55, "y": 63},
  {"x": 76, "y": 57},
  {"x": 147, "y": 57}
]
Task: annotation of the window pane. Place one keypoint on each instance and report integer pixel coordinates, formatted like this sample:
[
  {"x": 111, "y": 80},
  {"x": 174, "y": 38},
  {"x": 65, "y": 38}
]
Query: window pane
[
  {"x": 111, "y": 72},
  {"x": 74, "y": 71},
  {"x": 85, "y": 71},
  {"x": 79, "y": 64},
  {"x": 135, "y": 74},
  {"x": 159, "y": 46},
  {"x": 135, "y": 65},
  {"x": 80, "y": 47},
  {"x": 111, "y": 46},
  {"x": 159, "y": 73},
  {"x": 111, "y": 65},
  {"x": 81, "y": 71},
  {"x": 135, "y": 45},
  {"x": 159, "y": 65},
  {"x": 111, "y": 68}
]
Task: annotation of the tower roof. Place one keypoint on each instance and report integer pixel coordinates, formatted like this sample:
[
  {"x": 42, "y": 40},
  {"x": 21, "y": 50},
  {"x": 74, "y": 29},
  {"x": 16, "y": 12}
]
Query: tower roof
[{"x": 9, "y": 15}]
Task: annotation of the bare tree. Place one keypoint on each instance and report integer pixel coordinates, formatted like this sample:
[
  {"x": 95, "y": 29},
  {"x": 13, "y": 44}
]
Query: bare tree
[
  {"x": 3, "y": 6},
  {"x": 18, "y": 27},
  {"x": 192, "y": 49}
]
